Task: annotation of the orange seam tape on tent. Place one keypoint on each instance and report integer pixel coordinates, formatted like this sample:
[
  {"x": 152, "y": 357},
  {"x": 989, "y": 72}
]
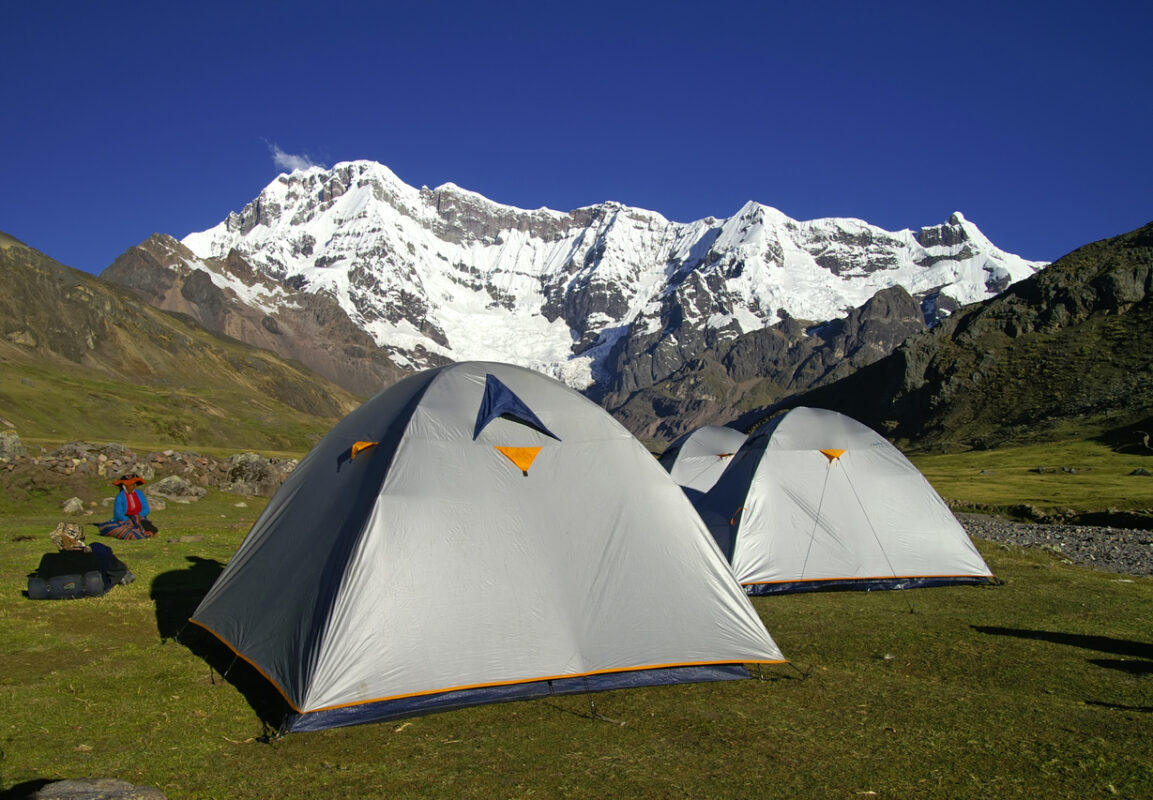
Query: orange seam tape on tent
[
  {"x": 832, "y": 455},
  {"x": 358, "y": 446},
  {"x": 864, "y": 578},
  {"x": 250, "y": 663},
  {"x": 521, "y": 456},
  {"x": 534, "y": 680},
  {"x": 288, "y": 700}
]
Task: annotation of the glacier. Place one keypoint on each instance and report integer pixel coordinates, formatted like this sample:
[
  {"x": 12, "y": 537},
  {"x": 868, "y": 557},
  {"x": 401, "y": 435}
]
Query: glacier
[{"x": 448, "y": 273}]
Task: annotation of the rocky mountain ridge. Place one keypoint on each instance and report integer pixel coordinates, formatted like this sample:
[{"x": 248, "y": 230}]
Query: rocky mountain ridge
[
  {"x": 225, "y": 297},
  {"x": 358, "y": 275},
  {"x": 1068, "y": 346}
]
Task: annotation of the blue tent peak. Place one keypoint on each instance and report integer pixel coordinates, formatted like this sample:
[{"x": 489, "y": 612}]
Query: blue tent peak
[{"x": 501, "y": 401}]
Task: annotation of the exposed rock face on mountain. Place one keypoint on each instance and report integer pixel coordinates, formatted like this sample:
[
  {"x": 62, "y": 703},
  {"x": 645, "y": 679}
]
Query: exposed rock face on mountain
[
  {"x": 230, "y": 297},
  {"x": 1069, "y": 346},
  {"x": 760, "y": 367},
  {"x": 613, "y": 300}
]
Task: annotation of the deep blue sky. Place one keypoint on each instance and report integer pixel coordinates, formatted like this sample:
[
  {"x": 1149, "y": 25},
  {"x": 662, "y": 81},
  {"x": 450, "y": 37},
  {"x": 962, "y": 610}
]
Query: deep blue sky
[{"x": 1034, "y": 119}]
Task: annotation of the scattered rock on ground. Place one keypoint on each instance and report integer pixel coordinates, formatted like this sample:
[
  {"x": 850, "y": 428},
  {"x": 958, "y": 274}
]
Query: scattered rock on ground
[
  {"x": 1123, "y": 550},
  {"x": 77, "y": 462},
  {"x": 95, "y": 789}
]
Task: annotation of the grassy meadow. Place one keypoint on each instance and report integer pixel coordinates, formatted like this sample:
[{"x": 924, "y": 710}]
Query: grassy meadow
[
  {"x": 1040, "y": 686},
  {"x": 48, "y": 405},
  {"x": 1080, "y": 475}
]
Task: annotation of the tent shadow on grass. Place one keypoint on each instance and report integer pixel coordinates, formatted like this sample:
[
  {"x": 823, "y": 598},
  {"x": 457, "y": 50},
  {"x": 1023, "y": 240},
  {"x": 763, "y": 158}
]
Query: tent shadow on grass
[
  {"x": 1132, "y": 667},
  {"x": 1102, "y": 644},
  {"x": 1118, "y": 707},
  {"x": 176, "y": 595},
  {"x": 22, "y": 791},
  {"x": 178, "y": 592}
]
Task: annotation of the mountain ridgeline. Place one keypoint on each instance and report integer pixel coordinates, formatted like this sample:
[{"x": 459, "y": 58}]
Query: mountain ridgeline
[
  {"x": 1062, "y": 351},
  {"x": 668, "y": 325},
  {"x": 333, "y": 284},
  {"x": 1067, "y": 351}
]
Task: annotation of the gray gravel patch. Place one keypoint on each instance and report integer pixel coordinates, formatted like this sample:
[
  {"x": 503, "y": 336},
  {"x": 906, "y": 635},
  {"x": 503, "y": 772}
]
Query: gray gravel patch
[{"x": 1121, "y": 550}]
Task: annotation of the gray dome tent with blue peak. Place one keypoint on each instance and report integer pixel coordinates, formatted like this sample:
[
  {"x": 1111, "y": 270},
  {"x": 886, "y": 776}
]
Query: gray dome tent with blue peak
[{"x": 476, "y": 533}]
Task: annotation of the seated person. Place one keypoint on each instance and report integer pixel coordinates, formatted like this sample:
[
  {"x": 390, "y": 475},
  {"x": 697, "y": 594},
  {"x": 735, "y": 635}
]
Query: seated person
[{"x": 129, "y": 512}]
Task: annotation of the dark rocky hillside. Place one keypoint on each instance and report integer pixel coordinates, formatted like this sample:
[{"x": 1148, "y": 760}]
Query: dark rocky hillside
[
  {"x": 312, "y": 329},
  {"x": 731, "y": 376},
  {"x": 1067, "y": 350}
]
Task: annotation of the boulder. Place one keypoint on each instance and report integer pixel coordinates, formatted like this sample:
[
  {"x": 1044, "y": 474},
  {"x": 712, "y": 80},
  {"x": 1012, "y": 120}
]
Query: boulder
[
  {"x": 175, "y": 487},
  {"x": 254, "y": 474},
  {"x": 11, "y": 446},
  {"x": 144, "y": 470}
]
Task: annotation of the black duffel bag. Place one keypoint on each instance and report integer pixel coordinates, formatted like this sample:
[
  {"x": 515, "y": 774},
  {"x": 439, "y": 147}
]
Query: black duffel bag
[{"x": 69, "y": 574}]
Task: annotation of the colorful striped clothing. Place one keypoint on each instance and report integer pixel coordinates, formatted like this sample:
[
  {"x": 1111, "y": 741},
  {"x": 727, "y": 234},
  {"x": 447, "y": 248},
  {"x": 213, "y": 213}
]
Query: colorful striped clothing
[{"x": 133, "y": 527}]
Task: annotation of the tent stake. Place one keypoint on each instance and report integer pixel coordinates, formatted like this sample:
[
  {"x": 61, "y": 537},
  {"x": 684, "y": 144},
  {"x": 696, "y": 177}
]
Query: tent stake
[{"x": 593, "y": 707}]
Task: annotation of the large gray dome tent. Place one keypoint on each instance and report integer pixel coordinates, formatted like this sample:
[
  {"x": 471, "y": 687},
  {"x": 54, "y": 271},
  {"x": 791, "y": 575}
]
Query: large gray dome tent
[
  {"x": 476, "y": 533},
  {"x": 816, "y": 500},
  {"x": 697, "y": 459}
]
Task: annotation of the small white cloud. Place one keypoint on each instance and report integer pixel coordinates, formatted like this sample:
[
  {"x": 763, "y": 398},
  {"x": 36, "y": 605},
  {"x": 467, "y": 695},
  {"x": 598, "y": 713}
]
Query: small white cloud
[{"x": 288, "y": 161}]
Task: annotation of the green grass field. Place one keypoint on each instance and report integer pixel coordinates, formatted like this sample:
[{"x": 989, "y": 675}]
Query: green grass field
[
  {"x": 1041, "y": 686},
  {"x": 1078, "y": 475},
  {"x": 49, "y": 405}
]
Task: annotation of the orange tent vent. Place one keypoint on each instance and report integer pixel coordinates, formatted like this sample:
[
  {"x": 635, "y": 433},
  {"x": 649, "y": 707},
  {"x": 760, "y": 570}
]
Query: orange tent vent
[
  {"x": 358, "y": 446},
  {"x": 521, "y": 456},
  {"x": 833, "y": 455}
]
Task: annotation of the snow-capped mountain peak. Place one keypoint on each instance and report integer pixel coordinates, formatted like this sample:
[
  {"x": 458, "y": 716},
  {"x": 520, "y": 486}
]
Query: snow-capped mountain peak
[{"x": 448, "y": 273}]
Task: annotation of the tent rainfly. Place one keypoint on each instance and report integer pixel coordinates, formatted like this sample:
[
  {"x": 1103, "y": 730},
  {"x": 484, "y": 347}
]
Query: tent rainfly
[
  {"x": 477, "y": 533},
  {"x": 697, "y": 459},
  {"x": 816, "y": 500}
]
